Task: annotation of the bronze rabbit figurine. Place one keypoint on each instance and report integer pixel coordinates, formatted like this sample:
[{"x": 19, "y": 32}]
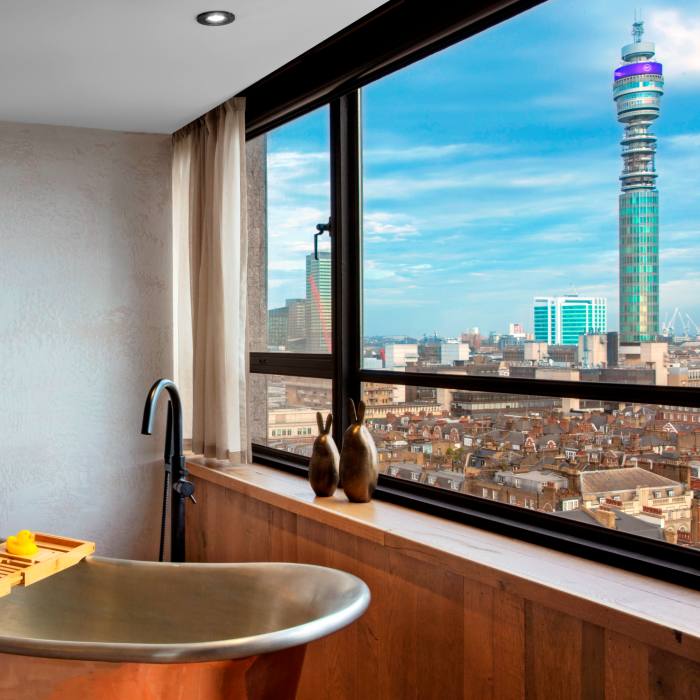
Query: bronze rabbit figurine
[
  {"x": 323, "y": 468},
  {"x": 358, "y": 458}
]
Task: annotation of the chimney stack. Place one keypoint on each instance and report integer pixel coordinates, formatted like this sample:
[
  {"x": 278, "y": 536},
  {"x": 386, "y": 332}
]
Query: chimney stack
[
  {"x": 670, "y": 535},
  {"x": 604, "y": 516}
]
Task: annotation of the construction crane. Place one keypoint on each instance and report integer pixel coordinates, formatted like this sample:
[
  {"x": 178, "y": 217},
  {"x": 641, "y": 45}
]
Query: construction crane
[{"x": 686, "y": 323}]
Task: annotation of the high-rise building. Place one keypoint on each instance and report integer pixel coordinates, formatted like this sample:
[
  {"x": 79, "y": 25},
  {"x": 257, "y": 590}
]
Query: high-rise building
[
  {"x": 637, "y": 91},
  {"x": 296, "y": 324},
  {"x": 318, "y": 303},
  {"x": 286, "y": 326},
  {"x": 561, "y": 320},
  {"x": 277, "y": 322}
]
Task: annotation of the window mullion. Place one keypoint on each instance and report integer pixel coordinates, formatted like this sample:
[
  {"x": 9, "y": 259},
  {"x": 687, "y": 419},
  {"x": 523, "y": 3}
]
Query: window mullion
[{"x": 346, "y": 220}]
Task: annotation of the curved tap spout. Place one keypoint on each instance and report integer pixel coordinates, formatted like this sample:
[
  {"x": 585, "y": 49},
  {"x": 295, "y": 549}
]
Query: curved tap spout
[
  {"x": 149, "y": 411},
  {"x": 182, "y": 488}
]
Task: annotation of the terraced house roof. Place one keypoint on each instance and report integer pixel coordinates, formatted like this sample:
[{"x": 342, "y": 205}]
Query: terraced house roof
[{"x": 625, "y": 479}]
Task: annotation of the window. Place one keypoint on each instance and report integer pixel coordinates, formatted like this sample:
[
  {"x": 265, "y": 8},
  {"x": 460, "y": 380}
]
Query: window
[
  {"x": 459, "y": 196},
  {"x": 288, "y": 169},
  {"x": 510, "y": 350},
  {"x": 286, "y": 418},
  {"x": 298, "y": 271}
]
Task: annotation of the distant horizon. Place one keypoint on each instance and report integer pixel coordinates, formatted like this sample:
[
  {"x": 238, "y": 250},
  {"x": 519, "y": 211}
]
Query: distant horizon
[{"x": 484, "y": 188}]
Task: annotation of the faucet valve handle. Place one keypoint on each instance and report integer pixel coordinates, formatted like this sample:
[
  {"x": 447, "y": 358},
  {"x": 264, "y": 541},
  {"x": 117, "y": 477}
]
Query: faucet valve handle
[{"x": 184, "y": 488}]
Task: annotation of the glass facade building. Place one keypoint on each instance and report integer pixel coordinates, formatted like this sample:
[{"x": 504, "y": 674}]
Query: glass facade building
[
  {"x": 318, "y": 303},
  {"x": 561, "y": 320},
  {"x": 637, "y": 90}
]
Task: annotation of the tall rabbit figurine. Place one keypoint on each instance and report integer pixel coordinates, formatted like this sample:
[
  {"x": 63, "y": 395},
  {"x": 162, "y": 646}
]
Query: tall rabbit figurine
[
  {"x": 358, "y": 458},
  {"x": 323, "y": 468}
]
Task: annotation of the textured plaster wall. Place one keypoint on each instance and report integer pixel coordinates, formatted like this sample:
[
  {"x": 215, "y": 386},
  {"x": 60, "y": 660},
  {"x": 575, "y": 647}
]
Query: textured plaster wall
[{"x": 85, "y": 327}]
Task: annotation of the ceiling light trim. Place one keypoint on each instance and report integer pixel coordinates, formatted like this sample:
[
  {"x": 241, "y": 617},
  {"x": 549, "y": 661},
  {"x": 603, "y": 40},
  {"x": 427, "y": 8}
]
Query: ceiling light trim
[{"x": 215, "y": 18}]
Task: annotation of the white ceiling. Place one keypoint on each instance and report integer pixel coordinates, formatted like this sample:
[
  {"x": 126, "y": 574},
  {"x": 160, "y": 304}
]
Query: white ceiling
[{"x": 146, "y": 65}]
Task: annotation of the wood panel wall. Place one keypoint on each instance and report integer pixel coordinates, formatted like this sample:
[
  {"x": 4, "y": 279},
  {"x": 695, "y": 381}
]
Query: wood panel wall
[{"x": 435, "y": 632}]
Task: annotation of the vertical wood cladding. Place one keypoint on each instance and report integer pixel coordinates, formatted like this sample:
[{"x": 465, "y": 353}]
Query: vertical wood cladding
[{"x": 431, "y": 632}]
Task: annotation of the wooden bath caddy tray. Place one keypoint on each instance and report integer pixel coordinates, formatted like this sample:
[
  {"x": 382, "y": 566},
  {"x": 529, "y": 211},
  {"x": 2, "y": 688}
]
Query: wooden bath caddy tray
[{"x": 55, "y": 554}]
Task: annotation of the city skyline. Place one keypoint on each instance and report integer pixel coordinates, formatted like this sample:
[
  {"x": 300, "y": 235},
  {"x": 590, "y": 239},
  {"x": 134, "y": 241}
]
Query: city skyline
[{"x": 465, "y": 225}]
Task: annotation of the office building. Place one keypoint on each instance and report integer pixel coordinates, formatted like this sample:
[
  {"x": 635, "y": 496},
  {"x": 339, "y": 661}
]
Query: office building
[
  {"x": 286, "y": 326},
  {"x": 398, "y": 355},
  {"x": 277, "y": 321},
  {"x": 454, "y": 352},
  {"x": 561, "y": 320},
  {"x": 318, "y": 303}
]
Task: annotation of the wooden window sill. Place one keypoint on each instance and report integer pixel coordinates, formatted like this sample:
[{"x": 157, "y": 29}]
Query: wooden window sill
[{"x": 666, "y": 614}]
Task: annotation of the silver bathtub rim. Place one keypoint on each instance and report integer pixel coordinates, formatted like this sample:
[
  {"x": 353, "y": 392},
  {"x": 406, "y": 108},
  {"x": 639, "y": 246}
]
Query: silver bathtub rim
[{"x": 192, "y": 652}]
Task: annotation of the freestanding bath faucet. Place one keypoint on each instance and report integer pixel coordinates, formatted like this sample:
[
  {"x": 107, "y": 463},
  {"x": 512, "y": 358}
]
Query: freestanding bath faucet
[{"x": 182, "y": 489}]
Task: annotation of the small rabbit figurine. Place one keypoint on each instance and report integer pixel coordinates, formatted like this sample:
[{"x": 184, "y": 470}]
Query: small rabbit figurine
[
  {"x": 323, "y": 468},
  {"x": 358, "y": 458}
]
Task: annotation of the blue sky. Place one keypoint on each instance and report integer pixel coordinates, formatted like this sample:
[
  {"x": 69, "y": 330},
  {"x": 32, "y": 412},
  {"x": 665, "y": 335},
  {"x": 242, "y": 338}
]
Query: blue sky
[{"x": 491, "y": 173}]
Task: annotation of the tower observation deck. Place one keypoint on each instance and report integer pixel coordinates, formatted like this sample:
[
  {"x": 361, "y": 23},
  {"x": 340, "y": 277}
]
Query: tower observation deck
[{"x": 637, "y": 90}]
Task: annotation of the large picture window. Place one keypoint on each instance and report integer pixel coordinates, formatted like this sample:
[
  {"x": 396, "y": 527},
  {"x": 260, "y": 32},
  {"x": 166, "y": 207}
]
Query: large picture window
[
  {"x": 511, "y": 224},
  {"x": 509, "y": 282},
  {"x": 298, "y": 272}
]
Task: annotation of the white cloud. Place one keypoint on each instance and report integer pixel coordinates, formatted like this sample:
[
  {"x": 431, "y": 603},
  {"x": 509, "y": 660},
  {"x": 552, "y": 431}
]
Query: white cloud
[
  {"x": 557, "y": 236},
  {"x": 680, "y": 292},
  {"x": 684, "y": 141},
  {"x": 296, "y": 160},
  {"x": 375, "y": 270},
  {"x": 676, "y": 36},
  {"x": 419, "y": 267},
  {"x": 299, "y": 221},
  {"x": 375, "y": 156},
  {"x": 408, "y": 186},
  {"x": 689, "y": 254},
  {"x": 298, "y": 176},
  {"x": 394, "y": 225},
  {"x": 287, "y": 265},
  {"x": 563, "y": 174},
  {"x": 680, "y": 235},
  {"x": 544, "y": 180}
]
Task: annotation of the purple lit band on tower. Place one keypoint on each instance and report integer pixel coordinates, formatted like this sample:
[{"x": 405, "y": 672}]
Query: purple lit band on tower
[{"x": 638, "y": 69}]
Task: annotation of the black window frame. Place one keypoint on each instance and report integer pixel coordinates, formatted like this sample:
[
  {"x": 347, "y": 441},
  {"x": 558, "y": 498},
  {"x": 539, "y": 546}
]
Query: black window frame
[{"x": 332, "y": 73}]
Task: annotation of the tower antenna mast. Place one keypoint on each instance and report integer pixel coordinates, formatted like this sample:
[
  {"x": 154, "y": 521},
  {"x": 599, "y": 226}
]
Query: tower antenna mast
[{"x": 637, "y": 28}]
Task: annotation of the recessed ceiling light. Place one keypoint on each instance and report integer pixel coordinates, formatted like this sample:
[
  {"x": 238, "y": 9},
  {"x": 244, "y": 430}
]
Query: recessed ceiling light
[{"x": 215, "y": 18}]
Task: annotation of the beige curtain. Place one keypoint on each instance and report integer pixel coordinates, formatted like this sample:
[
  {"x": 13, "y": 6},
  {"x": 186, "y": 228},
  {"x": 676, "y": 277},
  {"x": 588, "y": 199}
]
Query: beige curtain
[{"x": 210, "y": 262}]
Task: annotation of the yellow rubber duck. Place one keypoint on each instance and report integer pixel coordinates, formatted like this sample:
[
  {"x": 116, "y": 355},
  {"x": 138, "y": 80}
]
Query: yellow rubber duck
[{"x": 22, "y": 544}]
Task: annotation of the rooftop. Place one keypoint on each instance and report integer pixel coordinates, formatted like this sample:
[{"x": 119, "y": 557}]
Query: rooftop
[{"x": 625, "y": 479}]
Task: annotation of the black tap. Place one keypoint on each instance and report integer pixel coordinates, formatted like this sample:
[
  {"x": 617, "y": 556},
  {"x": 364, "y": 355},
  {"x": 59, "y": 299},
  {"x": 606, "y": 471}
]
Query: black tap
[{"x": 182, "y": 488}]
